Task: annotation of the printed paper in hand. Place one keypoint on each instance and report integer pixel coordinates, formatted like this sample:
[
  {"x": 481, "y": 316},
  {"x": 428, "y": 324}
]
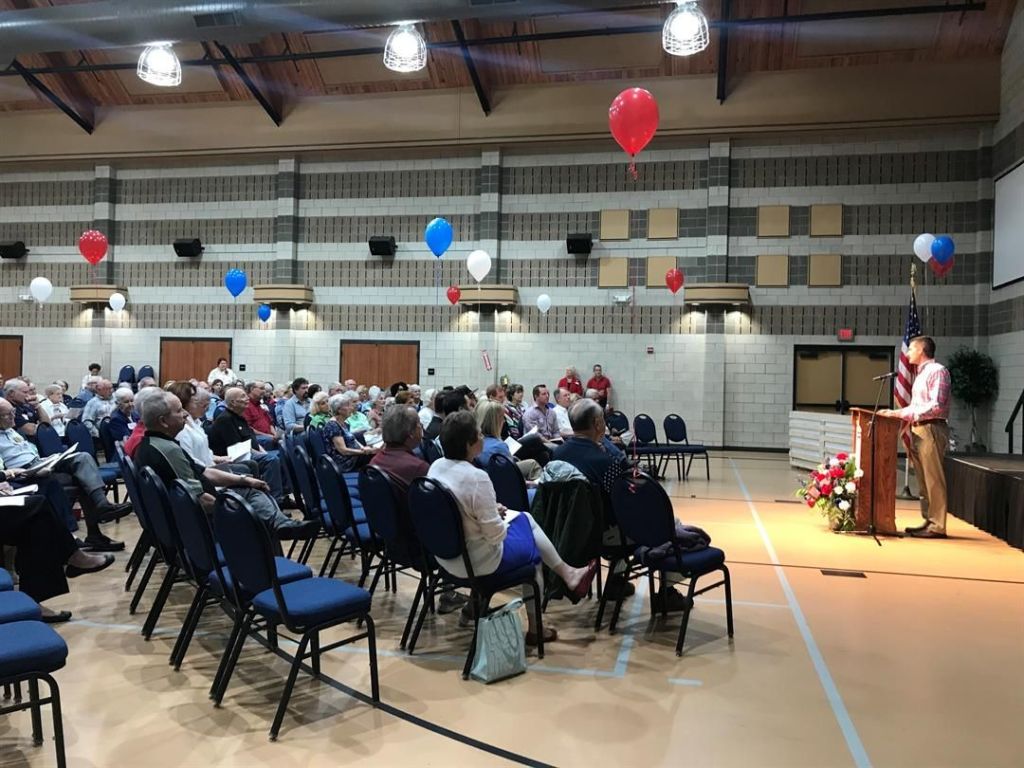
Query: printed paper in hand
[
  {"x": 513, "y": 444},
  {"x": 240, "y": 451}
]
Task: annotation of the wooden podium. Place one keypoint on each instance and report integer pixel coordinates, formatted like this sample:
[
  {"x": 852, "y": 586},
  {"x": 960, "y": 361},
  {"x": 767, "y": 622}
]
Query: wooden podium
[{"x": 878, "y": 486}]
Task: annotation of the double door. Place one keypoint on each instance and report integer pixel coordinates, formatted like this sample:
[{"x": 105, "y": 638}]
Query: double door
[
  {"x": 380, "y": 363},
  {"x": 835, "y": 379},
  {"x": 184, "y": 359}
]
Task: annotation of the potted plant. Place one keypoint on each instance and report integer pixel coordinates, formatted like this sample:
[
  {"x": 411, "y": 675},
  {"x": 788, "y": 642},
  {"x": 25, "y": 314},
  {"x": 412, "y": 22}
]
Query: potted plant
[
  {"x": 832, "y": 488},
  {"x": 974, "y": 381}
]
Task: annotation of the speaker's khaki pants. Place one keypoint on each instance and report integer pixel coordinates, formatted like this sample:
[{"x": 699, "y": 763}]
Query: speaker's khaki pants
[{"x": 930, "y": 444}]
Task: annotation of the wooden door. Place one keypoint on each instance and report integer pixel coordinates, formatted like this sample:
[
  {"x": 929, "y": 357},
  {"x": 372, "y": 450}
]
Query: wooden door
[
  {"x": 381, "y": 363},
  {"x": 819, "y": 380},
  {"x": 10, "y": 357},
  {"x": 859, "y": 369},
  {"x": 183, "y": 359}
]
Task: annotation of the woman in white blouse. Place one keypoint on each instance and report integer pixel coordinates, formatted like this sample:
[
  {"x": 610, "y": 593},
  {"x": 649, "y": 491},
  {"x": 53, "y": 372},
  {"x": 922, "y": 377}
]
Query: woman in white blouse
[
  {"x": 52, "y": 408},
  {"x": 222, "y": 374},
  {"x": 496, "y": 538}
]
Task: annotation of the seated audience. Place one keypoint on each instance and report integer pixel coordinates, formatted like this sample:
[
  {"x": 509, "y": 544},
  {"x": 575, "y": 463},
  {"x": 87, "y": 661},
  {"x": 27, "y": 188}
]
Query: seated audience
[
  {"x": 561, "y": 410},
  {"x": 65, "y": 395},
  {"x": 603, "y": 385},
  {"x": 231, "y": 428},
  {"x": 364, "y": 403},
  {"x": 319, "y": 411},
  {"x": 78, "y": 469},
  {"x": 296, "y": 407},
  {"x": 496, "y": 393},
  {"x": 348, "y": 453},
  {"x": 26, "y": 414},
  {"x": 47, "y": 555},
  {"x": 490, "y": 418},
  {"x": 415, "y": 394},
  {"x": 88, "y": 390},
  {"x": 222, "y": 373},
  {"x": 404, "y": 397},
  {"x": 164, "y": 419},
  {"x": 514, "y": 410},
  {"x": 146, "y": 382},
  {"x": 53, "y": 409},
  {"x": 402, "y": 433},
  {"x": 122, "y": 419},
  {"x": 336, "y": 388},
  {"x": 571, "y": 381},
  {"x": 426, "y": 411},
  {"x": 193, "y": 438},
  {"x": 493, "y": 543},
  {"x": 257, "y": 415},
  {"x": 94, "y": 373},
  {"x": 376, "y": 412},
  {"x": 540, "y": 416},
  {"x": 350, "y": 385},
  {"x": 214, "y": 409},
  {"x": 99, "y": 407},
  {"x": 357, "y": 422}
]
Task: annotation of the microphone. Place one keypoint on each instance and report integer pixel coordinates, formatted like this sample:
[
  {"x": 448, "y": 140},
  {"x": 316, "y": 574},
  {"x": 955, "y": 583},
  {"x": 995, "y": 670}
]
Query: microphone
[{"x": 889, "y": 375}]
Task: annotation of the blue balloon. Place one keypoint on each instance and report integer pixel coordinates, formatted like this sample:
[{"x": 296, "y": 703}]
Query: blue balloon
[
  {"x": 942, "y": 249},
  {"x": 235, "y": 282},
  {"x": 263, "y": 312},
  {"x": 438, "y": 235}
]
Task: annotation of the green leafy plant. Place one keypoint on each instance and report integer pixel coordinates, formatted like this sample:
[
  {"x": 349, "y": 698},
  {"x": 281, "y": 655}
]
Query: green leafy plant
[{"x": 974, "y": 381}]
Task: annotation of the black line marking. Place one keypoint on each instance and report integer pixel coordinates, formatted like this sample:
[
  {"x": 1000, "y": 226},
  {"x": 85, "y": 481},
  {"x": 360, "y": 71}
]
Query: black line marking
[{"x": 848, "y": 574}]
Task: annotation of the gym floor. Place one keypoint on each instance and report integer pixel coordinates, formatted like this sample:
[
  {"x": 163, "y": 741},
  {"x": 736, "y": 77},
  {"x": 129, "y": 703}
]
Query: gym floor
[{"x": 914, "y": 656}]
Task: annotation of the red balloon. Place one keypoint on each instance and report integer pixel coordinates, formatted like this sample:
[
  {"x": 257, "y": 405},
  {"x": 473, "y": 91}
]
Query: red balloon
[
  {"x": 633, "y": 119},
  {"x": 941, "y": 270},
  {"x": 93, "y": 246},
  {"x": 674, "y": 279},
  {"x": 454, "y": 294}
]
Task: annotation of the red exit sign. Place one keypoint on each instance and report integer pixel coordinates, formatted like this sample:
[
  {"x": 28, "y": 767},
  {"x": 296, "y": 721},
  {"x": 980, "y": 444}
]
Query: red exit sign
[{"x": 845, "y": 334}]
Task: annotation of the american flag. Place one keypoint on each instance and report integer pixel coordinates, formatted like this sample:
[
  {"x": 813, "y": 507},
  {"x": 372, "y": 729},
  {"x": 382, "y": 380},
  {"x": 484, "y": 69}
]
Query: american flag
[{"x": 906, "y": 371}]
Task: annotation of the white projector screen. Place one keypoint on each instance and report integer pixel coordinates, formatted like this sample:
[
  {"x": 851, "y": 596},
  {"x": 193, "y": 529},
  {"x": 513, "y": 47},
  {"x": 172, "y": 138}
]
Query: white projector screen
[{"x": 1008, "y": 262}]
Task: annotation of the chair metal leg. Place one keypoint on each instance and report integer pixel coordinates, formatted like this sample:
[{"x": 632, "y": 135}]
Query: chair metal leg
[
  {"x": 381, "y": 569},
  {"x": 412, "y": 611},
  {"x": 480, "y": 608},
  {"x": 58, "y": 722},
  {"x": 188, "y": 628},
  {"x": 158, "y": 603},
  {"x": 707, "y": 466},
  {"x": 232, "y": 639},
  {"x": 728, "y": 598},
  {"x": 37, "y": 712},
  {"x": 428, "y": 605},
  {"x": 232, "y": 660},
  {"x": 291, "y": 549},
  {"x": 143, "y": 582},
  {"x": 286, "y": 694},
  {"x": 371, "y": 647},
  {"x": 327, "y": 557},
  {"x": 314, "y": 652},
  {"x": 686, "y": 616},
  {"x": 538, "y": 617}
]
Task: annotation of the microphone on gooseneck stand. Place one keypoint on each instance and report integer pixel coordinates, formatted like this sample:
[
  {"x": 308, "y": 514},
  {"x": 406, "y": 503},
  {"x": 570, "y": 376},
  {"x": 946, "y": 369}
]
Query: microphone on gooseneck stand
[{"x": 889, "y": 375}]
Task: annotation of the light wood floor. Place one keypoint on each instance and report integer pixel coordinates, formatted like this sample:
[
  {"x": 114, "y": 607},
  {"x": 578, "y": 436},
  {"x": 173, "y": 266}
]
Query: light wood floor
[{"x": 919, "y": 663}]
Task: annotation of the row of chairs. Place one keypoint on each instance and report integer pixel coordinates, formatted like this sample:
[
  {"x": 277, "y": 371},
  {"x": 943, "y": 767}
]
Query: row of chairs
[
  {"x": 30, "y": 652},
  {"x": 677, "y": 443},
  {"x": 128, "y": 376},
  {"x": 49, "y": 443}
]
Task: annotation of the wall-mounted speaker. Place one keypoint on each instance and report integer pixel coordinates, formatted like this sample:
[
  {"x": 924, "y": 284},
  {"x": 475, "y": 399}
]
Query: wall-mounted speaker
[
  {"x": 581, "y": 243},
  {"x": 383, "y": 245},
  {"x": 15, "y": 250},
  {"x": 188, "y": 248}
]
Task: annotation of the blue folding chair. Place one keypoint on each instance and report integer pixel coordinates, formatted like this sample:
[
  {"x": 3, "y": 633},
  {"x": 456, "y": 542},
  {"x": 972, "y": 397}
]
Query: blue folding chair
[
  {"x": 646, "y": 445},
  {"x": 305, "y": 607},
  {"x": 675, "y": 434},
  {"x": 438, "y": 524},
  {"x": 6, "y": 582},
  {"x": 617, "y": 422},
  {"x": 29, "y": 652},
  {"x": 307, "y": 488},
  {"x": 17, "y": 606},
  {"x": 126, "y": 376},
  {"x": 146, "y": 371},
  {"x": 350, "y": 533},
  {"x": 509, "y": 484},
  {"x": 144, "y": 544},
  {"x": 110, "y": 472},
  {"x": 315, "y": 444},
  {"x": 48, "y": 440},
  {"x": 209, "y": 575},
  {"x": 165, "y": 536},
  {"x": 644, "y": 513}
]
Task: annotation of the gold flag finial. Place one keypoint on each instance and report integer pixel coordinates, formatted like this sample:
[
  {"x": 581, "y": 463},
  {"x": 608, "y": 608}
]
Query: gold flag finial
[{"x": 913, "y": 274}]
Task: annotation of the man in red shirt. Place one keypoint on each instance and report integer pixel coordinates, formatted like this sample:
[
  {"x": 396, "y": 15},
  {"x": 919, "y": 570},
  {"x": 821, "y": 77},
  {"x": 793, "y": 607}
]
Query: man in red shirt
[
  {"x": 602, "y": 384},
  {"x": 571, "y": 381},
  {"x": 257, "y": 417}
]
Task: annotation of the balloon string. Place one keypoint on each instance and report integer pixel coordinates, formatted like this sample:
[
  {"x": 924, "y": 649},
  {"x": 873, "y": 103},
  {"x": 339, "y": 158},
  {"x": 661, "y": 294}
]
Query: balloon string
[{"x": 632, "y": 170}]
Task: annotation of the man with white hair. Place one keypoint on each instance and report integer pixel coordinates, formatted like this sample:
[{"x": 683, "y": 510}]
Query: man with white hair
[
  {"x": 426, "y": 412},
  {"x": 164, "y": 418},
  {"x": 415, "y": 394},
  {"x": 26, "y": 415},
  {"x": 336, "y": 388},
  {"x": 88, "y": 390},
  {"x": 231, "y": 428},
  {"x": 100, "y": 407},
  {"x": 146, "y": 381}
]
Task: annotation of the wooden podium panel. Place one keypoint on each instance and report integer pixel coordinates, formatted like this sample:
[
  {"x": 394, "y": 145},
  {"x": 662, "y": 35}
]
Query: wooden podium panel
[{"x": 878, "y": 486}]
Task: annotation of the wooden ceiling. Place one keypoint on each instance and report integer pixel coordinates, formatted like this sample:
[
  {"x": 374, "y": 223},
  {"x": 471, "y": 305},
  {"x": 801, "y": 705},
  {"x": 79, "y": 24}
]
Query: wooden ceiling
[{"x": 931, "y": 37}]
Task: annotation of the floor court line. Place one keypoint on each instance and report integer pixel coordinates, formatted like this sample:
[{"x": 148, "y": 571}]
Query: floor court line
[{"x": 835, "y": 700}]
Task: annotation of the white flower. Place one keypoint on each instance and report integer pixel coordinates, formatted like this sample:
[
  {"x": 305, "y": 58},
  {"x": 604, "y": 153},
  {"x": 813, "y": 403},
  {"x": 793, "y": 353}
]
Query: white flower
[
  {"x": 837, "y": 491},
  {"x": 833, "y": 462},
  {"x": 851, "y": 487},
  {"x": 844, "y": 505},
  {"x": 858, "y": 473}
]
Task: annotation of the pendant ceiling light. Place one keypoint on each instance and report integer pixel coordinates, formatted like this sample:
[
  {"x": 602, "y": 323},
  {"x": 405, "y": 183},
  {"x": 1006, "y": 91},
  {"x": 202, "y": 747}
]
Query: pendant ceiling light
[
  {"x": 159, "y": 65},
  {"x": 405, "y": 50},
  {"x": 686, "y": 30}
]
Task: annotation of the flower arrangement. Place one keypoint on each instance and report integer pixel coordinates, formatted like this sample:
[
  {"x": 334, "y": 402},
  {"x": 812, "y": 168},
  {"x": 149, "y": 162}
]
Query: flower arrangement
[{"x": 832, "y": 488}]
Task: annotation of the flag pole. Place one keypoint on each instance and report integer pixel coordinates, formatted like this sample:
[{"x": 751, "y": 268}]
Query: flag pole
[{"x": 905, "y": 494}]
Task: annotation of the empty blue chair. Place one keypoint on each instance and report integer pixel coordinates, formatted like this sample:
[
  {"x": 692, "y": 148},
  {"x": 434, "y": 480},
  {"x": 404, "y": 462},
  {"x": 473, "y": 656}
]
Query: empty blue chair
[
  {"x": 48, "y": 440},
  {"x": 146, "y": 371},
  {"x": 29, "y": 652},
  {"x": 17, "y": 606},
  {"x": 305, "y": 607},
  {"x": 644, "y": 513},
  {"x": 126, "y": 376},
  {"x": 210, "y": 576},
  {"x": 645, "y": 443},
  {"x": 343, "y": 526},
  {"x": 438, "y": 524},
  {"x": 675, "y": 434},
  {"x": 6, "y": 582}
]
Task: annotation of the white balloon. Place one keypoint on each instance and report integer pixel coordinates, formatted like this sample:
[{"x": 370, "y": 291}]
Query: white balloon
[
  {"x": 544, "y": 303},
  {"x": 40, "y": 288},
  {"x": 478, "y": 264},
  {"x": 923, "y": 246},
  {"x": 117, "y": 301}
]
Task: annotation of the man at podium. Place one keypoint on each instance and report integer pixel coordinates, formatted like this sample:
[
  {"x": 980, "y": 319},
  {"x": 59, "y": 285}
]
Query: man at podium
[{"x": 927, "y": 415}]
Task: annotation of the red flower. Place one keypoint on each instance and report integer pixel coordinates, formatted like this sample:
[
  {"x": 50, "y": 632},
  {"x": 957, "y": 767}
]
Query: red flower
[
  {"x": 826, "y": 489},
  {"x": 810, "y": 502},
  {"x": 842, "y": 456},
  {"x": 836, "y": 472}
]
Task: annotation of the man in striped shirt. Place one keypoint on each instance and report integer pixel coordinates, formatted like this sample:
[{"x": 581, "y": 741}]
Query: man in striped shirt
[{"x": 927, "y": 415}]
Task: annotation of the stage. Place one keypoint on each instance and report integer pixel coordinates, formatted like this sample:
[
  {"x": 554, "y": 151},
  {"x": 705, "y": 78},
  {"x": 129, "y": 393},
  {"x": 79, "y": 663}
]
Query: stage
[{"x": 987, "y": 491}]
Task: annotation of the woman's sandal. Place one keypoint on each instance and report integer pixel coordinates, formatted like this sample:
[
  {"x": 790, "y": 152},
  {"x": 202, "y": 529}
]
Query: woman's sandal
[{"x": 584, "y": 586}]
